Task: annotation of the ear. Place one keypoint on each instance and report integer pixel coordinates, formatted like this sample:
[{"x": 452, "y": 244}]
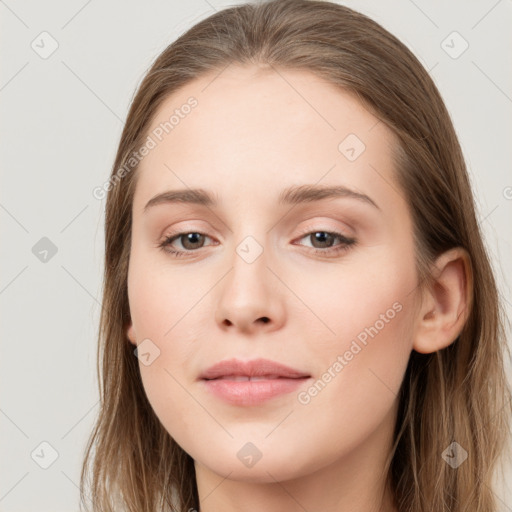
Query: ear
[
  {"x": 446, "y": 307},
  {"x": 130, "y": 333}
]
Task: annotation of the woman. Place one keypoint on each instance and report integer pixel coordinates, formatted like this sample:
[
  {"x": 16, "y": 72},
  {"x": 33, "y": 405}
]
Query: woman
[{"x": 299, "y": 312}]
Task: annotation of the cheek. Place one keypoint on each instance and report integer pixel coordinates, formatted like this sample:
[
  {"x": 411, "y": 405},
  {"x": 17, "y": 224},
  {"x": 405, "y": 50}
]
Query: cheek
[
  {"x": 164, "y": 309},
  {"x": 161, "y": 299},
  {"x": 367, "y": 360},
  {"x": 159, "y": 315},
  {"x": 359, "y": 375},
  {"x": 364, "y": 338},
  {"x": 364, "y": 299}
]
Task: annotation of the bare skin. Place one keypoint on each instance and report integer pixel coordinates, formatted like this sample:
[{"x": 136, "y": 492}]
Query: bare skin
[{"x": 251, "y": 135}]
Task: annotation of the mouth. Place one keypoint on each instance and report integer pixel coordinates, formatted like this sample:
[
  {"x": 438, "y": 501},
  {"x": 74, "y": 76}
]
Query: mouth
[{"x": 251, "y": 383}]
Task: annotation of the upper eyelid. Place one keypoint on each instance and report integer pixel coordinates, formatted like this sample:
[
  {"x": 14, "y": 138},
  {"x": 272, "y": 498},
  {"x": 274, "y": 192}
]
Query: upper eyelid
[{"x": 313, "y": 224}]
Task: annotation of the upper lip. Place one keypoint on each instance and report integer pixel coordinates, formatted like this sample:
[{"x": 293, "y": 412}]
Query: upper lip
[{"x": 253, "y": 368}]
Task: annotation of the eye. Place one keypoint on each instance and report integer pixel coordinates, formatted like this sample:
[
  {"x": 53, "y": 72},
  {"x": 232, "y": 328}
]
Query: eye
[
  {"x": 190, "y": 241},
  {"x": 325, "y": 242}
]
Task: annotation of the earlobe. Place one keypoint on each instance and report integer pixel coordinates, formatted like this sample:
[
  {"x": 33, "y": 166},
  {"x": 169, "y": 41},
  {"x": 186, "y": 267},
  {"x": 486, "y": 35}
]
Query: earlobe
[
  {"x": 130, "y": 333},
  {"x": 446, "y": 307}
]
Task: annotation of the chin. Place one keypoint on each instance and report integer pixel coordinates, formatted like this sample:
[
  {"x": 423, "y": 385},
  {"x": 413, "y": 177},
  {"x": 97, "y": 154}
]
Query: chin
[{"x": 268, "y": 469}]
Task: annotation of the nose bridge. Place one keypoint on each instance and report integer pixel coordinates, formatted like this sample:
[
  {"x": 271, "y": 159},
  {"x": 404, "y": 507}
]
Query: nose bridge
[
  {"x": 250, "y": 275},
  {"x": 251, "y": 240}
]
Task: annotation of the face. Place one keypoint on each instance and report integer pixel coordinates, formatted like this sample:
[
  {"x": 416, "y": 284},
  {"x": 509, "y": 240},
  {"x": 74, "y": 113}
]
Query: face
[{"x": 324, "y": 284}]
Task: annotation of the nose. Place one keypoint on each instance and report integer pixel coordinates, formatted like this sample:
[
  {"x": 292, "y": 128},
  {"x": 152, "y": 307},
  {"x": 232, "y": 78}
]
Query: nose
[{"x": 250, "y": 297}]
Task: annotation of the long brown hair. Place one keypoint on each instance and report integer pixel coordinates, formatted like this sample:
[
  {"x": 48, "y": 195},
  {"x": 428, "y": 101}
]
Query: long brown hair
[{"x": 456, "y": 394}]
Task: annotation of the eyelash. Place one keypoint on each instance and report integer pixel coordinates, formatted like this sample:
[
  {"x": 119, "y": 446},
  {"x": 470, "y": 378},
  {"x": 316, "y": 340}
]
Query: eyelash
[{"x": 344, "y": 246}]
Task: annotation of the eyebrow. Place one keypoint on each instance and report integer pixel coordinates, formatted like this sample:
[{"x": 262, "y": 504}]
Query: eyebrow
[{"x": 290, "y": 196}]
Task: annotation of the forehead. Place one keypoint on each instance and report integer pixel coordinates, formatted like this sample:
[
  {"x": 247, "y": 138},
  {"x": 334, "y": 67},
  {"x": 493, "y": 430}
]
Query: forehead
[{"x": 259, "y": 129}]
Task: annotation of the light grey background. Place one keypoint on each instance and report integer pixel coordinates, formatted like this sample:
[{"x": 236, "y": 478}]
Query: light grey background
[{"x": 61, "y": 118}]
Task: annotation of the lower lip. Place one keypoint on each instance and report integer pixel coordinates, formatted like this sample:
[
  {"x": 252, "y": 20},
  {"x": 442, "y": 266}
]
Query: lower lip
[{"x": 252, "y": 392}]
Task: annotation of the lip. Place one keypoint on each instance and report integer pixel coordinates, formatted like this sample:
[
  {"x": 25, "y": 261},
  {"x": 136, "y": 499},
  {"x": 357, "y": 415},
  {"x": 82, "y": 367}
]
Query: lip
[
  {"x": 254, "y": 368},
  {"x": 230, "y": 380}
]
